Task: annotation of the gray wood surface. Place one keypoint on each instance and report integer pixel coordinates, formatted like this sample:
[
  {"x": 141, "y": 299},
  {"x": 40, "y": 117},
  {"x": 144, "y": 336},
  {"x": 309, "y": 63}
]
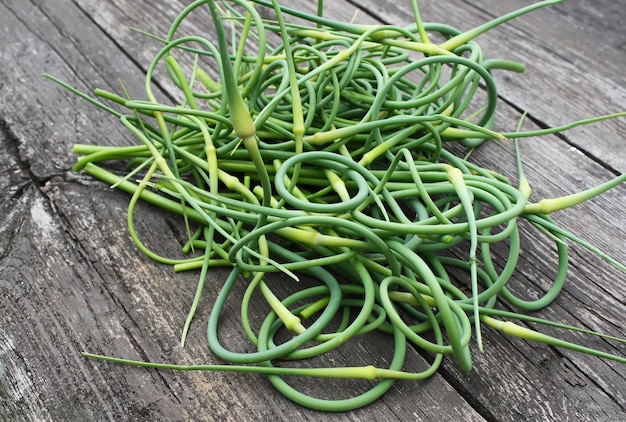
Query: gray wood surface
[{"x": 71, "y": 279}]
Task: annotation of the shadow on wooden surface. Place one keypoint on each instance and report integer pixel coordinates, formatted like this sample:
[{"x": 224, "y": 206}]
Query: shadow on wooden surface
[{"x": 71, "y": 279}]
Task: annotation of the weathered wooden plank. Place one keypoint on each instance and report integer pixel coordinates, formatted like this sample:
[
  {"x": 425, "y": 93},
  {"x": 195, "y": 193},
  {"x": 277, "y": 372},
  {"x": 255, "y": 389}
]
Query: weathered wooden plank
[
  {"x": 589, "y": 89},
  {"x": 570, "y": 394},
  {"x": 92, "y": 290},
  {"x": 73, "y": 282},
  {"x": 574, "y": 70}
]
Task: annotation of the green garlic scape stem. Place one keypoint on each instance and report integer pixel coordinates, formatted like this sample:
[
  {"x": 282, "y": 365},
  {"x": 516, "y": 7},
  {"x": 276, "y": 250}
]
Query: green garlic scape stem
[
  {"x": 457, "y": 41},
  {"x": 346, "y": 178},
  {"x": 546, "y": 206}
]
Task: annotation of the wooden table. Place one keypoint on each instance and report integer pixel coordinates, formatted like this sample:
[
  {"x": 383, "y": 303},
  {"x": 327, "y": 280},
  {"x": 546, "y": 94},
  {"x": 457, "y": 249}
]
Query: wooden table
[{"x": 71, "y": 279}]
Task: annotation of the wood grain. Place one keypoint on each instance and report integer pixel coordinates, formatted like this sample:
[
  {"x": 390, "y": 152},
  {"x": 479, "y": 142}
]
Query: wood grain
[{"x": 71, "y": 279}]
